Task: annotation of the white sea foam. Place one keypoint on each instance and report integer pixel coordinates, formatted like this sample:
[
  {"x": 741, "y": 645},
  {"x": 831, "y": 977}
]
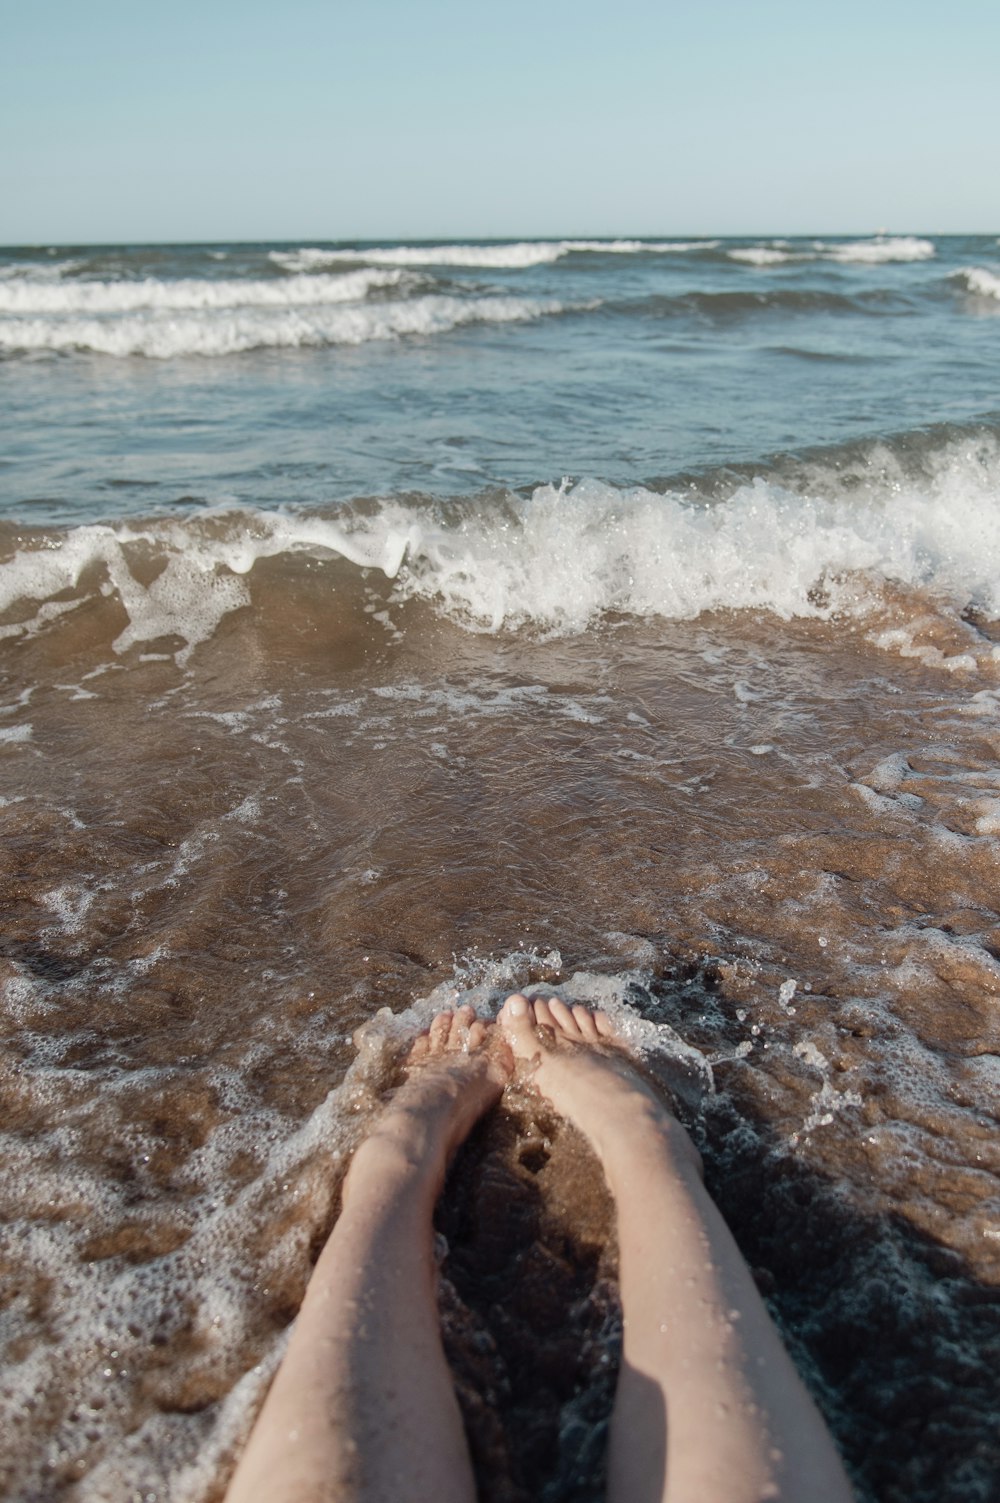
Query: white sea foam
[
  {"x": 111, "y": 1345},
  {"x": 578, "y": 552},
  {"x": 874, "y": 252},
  {"x": 564, "y": 555},
  {"x": 639, "y": 247},
  {"x": 512, "y": 255},
  {"x": 980, "y": 281},
  {"x": 25, "y": 295},
  {"x": 883, "y": 248},
  {"x": 162, "y": 332},
  {"x": 201, "y": 580},
  {"x": 760, "y": 255}
]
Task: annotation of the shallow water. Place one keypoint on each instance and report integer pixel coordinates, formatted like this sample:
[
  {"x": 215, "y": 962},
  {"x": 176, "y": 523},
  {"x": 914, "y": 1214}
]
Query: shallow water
[
  {"x": 217, "y": 872},
  {"x": 719, "y": 751}
]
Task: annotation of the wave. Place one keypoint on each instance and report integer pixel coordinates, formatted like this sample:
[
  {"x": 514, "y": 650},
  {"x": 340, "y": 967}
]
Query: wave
[
  {"x": 569, "y": 554},
  {"x": 875, "y": 252},
  {"x": 883, "y": 248},
  {"x": 510, "y": 256},
  {"x": 819, "y": 539},
  {"x": 760, "y": 298},
  {"x": 763, "y": 255},
  {"x": 41, "y": 271},
  {"x": 163, "y": 332},
  {"x": 979, "y": 281},
  {"x": 27, "y": 295}
]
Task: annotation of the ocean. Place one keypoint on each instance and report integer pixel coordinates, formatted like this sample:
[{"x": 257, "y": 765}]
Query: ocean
[{"x": 387, "y": 625}]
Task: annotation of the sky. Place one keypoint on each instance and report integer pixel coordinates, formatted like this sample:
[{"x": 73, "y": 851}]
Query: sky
[{"x": 128, "y": 121}]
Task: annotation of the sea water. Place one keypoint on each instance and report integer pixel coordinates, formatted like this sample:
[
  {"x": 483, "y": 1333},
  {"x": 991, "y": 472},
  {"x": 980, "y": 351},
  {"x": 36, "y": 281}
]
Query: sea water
[{"x": 384, "y": 626}]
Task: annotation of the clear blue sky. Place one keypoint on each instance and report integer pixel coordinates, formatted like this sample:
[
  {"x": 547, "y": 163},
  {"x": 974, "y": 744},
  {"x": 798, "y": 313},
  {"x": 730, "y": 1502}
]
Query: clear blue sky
[{"x": 232, "y": 119}]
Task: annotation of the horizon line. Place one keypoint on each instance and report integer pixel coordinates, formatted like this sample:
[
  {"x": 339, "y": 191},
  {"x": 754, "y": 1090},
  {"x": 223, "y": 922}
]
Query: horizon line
[{"x": 473, "y": 239}]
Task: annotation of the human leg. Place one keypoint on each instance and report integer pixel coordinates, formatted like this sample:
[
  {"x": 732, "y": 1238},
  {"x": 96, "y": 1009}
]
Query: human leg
[
  {"x": 709, "y": 1407},
  {"x": 362, "y": 1409}
]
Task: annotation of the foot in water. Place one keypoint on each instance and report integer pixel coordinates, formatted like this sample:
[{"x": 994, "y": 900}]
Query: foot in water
[
  {"x": 578, "y": 1061},
  {"x": 363, "y": 1409},
  {"x": 455, "y": 1071},
  {"x": 708, "y": 1404}
]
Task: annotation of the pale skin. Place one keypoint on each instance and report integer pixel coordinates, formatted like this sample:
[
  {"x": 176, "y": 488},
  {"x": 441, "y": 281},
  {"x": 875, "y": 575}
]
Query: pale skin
[{"x": 709, "y": 1407}]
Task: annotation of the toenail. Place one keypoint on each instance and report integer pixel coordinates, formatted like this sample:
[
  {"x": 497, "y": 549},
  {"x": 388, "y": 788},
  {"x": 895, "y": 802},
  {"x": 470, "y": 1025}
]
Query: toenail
[{"x": 518, "y": 1007}]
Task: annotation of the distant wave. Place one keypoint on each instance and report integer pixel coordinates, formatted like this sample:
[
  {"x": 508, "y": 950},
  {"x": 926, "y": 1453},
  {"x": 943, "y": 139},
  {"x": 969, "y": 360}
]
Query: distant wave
[
  {"x": 874, "y": 252},
  {"x": 164, "y": 330},
  {"x": 28, "y": 295},
  {"x": 763, "y": 255},
  {"x": 812, "y": 544},
  {"x": 979, "y": 281},
  {"x": 884, "y": 248},
  {"x": 40, "y": 271},
  {"x": 509, "y": 256}
]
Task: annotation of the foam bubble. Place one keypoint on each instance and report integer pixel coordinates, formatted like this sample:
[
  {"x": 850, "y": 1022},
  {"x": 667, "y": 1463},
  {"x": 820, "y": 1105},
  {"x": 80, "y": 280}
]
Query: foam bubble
[
  {"x": 70, "y": 904},
  {"x": 187, "y": 598}
]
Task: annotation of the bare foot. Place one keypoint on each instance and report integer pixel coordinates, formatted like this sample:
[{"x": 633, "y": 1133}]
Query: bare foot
[
  {"x": 455, "y": 1071},
  {"x": 578, "y": 1062},
  {"x": 363, "y": 1407}
]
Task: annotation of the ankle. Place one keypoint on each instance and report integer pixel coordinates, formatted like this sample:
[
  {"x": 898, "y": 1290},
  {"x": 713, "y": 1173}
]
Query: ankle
[
  {"x": 395, "y": 1160},
  {"x": 650, "y": 1143}
]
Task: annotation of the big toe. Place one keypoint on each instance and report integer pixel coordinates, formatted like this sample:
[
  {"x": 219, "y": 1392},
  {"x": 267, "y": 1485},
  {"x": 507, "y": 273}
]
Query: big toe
[{"x": 517, "y": 1019}]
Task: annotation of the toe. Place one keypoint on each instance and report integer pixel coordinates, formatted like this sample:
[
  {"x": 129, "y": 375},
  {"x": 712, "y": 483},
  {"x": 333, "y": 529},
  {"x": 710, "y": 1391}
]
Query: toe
[
  {"x": 518, "y": 1023},
  {"x": 584, "y": 1020},
  {"x": 439, "y": 1031},
  {"x": 563, "y": 1018},
  {"x": 543, "y": 1013},
  {"x": 458, "y": 1033},
  {"x": 419, "y": 1049},
  {"x": 605, "y": 1027},
  {"x": 516, "y": 1006}
]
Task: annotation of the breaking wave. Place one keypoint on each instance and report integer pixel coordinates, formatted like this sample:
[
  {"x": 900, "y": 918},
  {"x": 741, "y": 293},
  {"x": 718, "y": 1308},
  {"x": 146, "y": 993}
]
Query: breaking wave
[
  {"x": 561, "y": 557},
  {"x": 883, "y": 248},
  {"x": 166, "y": 328},
  {"x": 980, "y": 282},
  {"x": 509, "y": 256},
  {"x": 149, "y": 294},
  {"x": 875, "y": 252}
]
